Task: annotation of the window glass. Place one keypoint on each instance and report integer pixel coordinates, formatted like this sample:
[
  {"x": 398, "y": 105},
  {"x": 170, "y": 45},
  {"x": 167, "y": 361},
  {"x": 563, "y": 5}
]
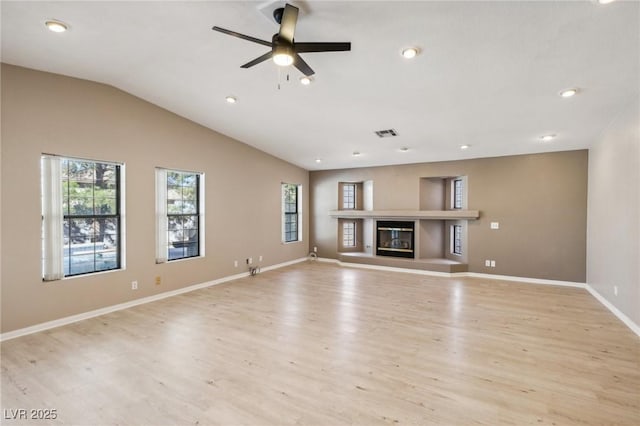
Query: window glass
[
  {"x": 291, "y": 212},
  {"x": 81, "y": 198},
  {"x": 349, "y": 234},
  {"x": 349, "y": 196}
]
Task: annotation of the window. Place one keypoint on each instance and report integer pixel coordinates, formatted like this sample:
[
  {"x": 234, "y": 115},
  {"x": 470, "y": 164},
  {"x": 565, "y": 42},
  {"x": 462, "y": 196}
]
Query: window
[
  {"x": 291, "y": 212},
  {"x": 179, "y": 209},
  {"x": 456, "y": 239},
  {"x": 349, "y": 234},
  {"x": 457, "y": 193},
  {"x": 81, "y": 216},
  {"x": 349, "y": 196}
]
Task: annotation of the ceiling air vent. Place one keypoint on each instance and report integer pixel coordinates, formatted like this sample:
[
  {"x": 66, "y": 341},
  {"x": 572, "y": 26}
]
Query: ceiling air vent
[{"x": 388, "y": 133}]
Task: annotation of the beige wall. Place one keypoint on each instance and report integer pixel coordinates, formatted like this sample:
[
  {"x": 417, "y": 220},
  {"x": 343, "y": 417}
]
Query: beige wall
[
  {"x": 613, "y": 249},
  {"x": 539, "y": 200},
  {"x": 47, "y": 113}
]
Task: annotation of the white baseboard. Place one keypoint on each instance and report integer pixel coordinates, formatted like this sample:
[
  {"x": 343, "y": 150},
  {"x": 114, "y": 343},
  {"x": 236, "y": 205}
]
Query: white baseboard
[
  {"x": 455, "y": 274},
  {"x": 523, "y": 279},
  {"x": 102, "y": 311},
  {"x": 622, "y": 317}
]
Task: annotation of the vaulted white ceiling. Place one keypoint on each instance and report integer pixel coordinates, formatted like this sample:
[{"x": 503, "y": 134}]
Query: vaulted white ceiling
[{"x": 488, "y": 74}]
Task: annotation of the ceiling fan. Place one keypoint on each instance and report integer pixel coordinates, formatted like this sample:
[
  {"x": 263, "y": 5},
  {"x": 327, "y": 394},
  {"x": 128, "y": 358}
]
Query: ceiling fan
[{"x": 284, "y": 50}]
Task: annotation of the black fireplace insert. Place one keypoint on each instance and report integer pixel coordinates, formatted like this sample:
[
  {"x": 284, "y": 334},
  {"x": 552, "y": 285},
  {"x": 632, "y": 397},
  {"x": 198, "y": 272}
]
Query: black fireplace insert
[{"x": 395, "y": 238}]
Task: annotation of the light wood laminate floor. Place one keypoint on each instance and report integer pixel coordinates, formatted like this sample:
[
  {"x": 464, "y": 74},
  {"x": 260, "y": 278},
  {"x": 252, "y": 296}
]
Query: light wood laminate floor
[{"x": 319, "y": 344}]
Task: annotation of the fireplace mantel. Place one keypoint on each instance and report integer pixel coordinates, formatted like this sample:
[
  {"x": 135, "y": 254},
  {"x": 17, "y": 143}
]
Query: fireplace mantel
[{"x": 407, "y": 214}]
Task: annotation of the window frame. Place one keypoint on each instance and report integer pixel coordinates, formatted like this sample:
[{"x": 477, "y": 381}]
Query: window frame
[
  {"x": 163, "y": 216},
  {"x": 457, "y": 193},
  {"x": 353, "y": 239},
  {"x": 456, "y": 240},
  {"x": 56, "y": 220},
  {"x": 295, "y": 215},
  {"x": 351, "y": 203}
]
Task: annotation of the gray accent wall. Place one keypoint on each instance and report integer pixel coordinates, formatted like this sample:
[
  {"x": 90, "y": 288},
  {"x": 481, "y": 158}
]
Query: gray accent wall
[
  {"x": 539, "y": 200},
  {"x": 613, "y": 249}
]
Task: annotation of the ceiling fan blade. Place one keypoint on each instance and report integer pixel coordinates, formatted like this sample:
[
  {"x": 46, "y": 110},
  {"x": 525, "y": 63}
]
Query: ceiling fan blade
[
  {"x": 242, "y": 36},
  {"x": 322, "y": 47},
  {"x": 304, "y": 68},
  {"x": 288, "y": 24},
  {"x": 257, "y": 60}
]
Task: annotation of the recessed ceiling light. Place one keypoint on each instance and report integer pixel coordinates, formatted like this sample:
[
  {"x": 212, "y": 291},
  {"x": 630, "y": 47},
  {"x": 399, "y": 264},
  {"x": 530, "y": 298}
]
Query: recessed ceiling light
[
  {"x": 318, "y": 160},
  {"x": 304, "y": 80},
  {"x": 567, "y": 93},
  {"x": 356, "y": 153},
  {"x": 410, "y": 52},
  {"x": 548, "y": 138},
  {"x": 404, "y": 149},
  {"x": 605, "y": 1},
  {"x": 56, "y": 26},
  {"x": 231, "y": 99},
  {"x": 463, "y": 147}
]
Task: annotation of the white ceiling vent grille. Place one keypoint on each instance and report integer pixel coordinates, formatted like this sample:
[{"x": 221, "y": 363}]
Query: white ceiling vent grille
[{"x": 388, "y": 133}]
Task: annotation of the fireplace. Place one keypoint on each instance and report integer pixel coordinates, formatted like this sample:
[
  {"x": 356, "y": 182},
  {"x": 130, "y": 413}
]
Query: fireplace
[{"x": 395, "y": 238}]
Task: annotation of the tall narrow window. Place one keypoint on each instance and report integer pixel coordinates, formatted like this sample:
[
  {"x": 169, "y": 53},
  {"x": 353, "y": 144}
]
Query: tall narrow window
[
  {"x": 349, "y": 234},
  {"x": 456, "y": 239},
  {"x": 457, "y": 193},
  {"x": 349, "y": 196},
  {"x": 291, "y": 212},
  {"x": 179, "y": 210},
  {"x": 81, "y": 216}
]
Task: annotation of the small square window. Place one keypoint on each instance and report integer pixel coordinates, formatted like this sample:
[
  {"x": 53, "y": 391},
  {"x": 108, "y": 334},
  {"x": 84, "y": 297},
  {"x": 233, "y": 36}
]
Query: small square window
[
  {"x": 456, "y": 239},
  {"x": 348, "y": 234},
  {"x": 457, "y": 193},
  {"x": 349, "y": 196}
]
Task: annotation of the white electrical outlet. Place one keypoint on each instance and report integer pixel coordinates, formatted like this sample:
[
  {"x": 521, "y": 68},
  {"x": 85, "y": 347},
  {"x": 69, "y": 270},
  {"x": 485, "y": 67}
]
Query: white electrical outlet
[
  {"x": 235, "y": 263},
  {"x": 315, "y": 249},
  {"x": 134, "y": 285},
  {"x": 260, "y": 259},
  {"x": 615, "y": 290},
  {"x": 495, "y": 225},
  {"x": 493, "y": 263},
  {"x": 487, "y": 263}
]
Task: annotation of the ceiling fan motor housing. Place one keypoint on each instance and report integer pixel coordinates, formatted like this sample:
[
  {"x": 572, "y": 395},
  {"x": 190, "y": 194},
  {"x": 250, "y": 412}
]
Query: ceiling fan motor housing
[{"x": 277, "y": 14}]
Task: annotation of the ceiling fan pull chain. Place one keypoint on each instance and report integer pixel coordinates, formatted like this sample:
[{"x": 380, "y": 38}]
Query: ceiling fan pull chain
[{"x": 279, "y": 77}]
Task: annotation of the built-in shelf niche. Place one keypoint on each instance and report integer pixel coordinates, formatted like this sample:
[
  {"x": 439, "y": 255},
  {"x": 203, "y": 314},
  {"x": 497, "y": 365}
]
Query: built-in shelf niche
[
  {"x": 433, "y": 194},
  {"x": 362, "y": 195},
  {"x": 436, "y": 193}
]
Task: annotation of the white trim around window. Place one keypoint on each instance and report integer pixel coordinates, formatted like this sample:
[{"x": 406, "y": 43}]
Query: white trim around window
[
  {"x": 163, "y": 216},
  {"x": 291, "y": 217}
]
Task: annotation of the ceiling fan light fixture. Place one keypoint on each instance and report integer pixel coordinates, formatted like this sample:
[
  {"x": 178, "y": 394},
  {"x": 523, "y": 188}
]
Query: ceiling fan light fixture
[
  {"x": 56, "y": 26},
  {"x": 283, "y": 55},
  {"x": 409, "y": 52},
  {"x": 283, "y": 59}
]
